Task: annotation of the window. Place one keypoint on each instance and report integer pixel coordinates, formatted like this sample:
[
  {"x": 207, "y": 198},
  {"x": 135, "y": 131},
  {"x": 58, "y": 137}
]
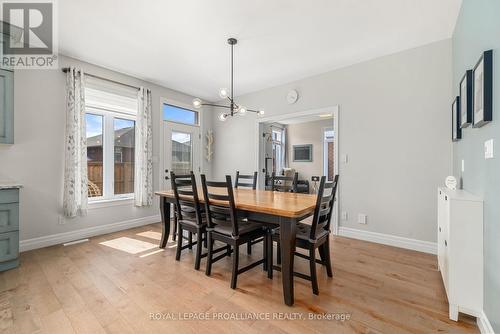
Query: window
[
  {"x": 277, "y": 150},
  {"x": 328, "y": 154},
  {"x": 110, "y": 120},
  {"x": 180, "y": 115},
  {"x": 182, "y": 158}
]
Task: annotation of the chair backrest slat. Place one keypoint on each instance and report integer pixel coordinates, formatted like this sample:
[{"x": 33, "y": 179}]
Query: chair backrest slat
[
  {"x": 185, "y": 185},
  {"x": 284, "y": 183},
  {"x": 218, "y": 197},
  {"x": 324, "y": 206},
  {"x": 220, "y": 208},
  {"x": 252, "y": 184}
]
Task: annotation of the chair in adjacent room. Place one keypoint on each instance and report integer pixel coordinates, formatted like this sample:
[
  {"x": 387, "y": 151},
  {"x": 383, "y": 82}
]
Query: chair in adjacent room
[{"x": 284, "y": 183}]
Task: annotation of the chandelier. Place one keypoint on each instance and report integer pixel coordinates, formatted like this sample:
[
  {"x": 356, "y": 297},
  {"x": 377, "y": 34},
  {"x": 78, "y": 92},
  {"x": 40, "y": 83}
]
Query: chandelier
[{"x": 233, "y": 108}]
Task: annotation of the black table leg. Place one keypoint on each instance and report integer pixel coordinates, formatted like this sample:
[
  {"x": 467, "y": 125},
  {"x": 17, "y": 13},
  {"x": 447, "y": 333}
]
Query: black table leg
[
  {"x": 287, "y": 238},
  {"x": 165, "y": 221}
]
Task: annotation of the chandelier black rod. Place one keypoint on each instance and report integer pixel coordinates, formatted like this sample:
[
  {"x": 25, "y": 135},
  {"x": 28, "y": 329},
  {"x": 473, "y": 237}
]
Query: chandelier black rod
[{"x": 234, "y": 108}]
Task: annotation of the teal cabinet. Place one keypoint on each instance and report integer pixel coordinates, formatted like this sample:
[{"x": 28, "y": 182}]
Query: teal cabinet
[
  {"x": 9, "y": 228},
  {"x": 6, "y": 106}
]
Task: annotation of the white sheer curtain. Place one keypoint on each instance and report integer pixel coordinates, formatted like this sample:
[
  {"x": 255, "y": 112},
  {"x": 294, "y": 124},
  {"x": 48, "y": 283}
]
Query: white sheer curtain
[
  {"x": 143, "y": 181},
  {"x": 75, "y": 169}
]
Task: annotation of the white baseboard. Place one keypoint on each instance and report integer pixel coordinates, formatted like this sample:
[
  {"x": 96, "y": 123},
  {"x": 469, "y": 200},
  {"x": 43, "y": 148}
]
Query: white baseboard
[
  {"x": 59, "y": 238},
  {"x": 391, "y": 240},
  {"x": 484, "y": 324}
]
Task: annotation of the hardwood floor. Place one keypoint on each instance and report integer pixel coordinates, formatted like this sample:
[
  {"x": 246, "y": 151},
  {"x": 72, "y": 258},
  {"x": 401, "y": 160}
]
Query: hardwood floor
[{"x": 118, "y": 286}]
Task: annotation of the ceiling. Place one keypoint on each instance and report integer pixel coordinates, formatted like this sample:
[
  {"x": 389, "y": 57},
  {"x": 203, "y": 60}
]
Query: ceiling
[
  {"x": 182, "y": 44},
  {"x": 306, "y": 119}
]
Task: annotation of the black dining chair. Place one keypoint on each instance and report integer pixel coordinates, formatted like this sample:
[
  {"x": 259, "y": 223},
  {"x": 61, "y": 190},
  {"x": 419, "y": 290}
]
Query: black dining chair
[
  {"x": 249, "y": 184},
  {"x": 284, "y": 183},
  {"x": 190, "y": 216},
  {"x": 224, "y": 224},
  {"x": 252, "y": 184},
  {"x": 314, "y": 236}
]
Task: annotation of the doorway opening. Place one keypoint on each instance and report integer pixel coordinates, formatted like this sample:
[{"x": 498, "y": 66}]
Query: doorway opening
[{"x": 304, "y": 142}]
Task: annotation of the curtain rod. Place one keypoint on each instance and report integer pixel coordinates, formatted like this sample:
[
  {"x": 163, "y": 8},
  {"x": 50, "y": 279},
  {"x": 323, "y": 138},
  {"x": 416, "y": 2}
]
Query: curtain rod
[{"x": 66, "y": 69}]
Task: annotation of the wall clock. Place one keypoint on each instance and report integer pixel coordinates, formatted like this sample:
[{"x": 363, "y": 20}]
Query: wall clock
[{"x": 292, "y": 96}]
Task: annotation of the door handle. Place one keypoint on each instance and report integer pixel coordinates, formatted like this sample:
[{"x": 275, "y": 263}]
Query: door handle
[{"x": 167, "y": 178}]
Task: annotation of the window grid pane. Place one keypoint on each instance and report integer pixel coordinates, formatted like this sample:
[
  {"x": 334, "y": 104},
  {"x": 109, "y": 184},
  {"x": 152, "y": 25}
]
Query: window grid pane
[
  {"x": 124, "y": 156},
  {"x": 182, "y": 161},
  {"x": 179, "y": 115},
  {"x": 95, "y": 164}
]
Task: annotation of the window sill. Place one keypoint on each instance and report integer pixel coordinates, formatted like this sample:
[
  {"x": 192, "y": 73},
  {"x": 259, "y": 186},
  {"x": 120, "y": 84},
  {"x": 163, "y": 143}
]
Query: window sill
[{"x": 106, "y": 203}]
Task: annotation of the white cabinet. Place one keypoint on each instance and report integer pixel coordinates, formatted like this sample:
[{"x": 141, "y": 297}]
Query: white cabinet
[{"x": 460, "y": 250}]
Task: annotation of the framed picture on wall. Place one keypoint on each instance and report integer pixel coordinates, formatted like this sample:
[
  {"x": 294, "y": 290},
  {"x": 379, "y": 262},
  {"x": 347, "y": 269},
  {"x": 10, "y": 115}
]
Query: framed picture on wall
[
  {"x": 466, "y": 99},
  {"x": 483, "y": 90},
  {"x": 456, "y": 130},
  {"x": 302, "y": 153}
]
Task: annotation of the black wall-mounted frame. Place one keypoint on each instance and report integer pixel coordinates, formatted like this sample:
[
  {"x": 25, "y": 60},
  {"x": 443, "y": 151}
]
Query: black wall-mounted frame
[
  {"x": 456, "y": 131},
  {"x": 466, "y": 98},
  {"x": 302, "y": 153},
  {"x": 484, "y": 115}
]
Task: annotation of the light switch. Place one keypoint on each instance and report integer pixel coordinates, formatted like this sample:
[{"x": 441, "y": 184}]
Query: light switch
[
  {"x": 362, "y": 218},
  {"x": 488, "y": 149},
  {"x": 344, "y": 158}
]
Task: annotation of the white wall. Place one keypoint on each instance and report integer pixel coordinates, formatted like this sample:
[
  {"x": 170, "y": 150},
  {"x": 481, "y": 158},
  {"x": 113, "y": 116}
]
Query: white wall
[
  {"x": 393, "y": 125},
  {"x": 303, "y": 134},
  {"x": 37, "y": 158}
]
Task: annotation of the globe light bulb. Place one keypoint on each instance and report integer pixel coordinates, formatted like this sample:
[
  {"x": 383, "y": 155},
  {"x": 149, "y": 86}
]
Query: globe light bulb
[
  {"x": 197, "y": 103},
  {"x": 261, "y": 112},
  {"x": 222, "y": 117},
  {"x": 223, "y": 93},
  {"x": 242, "y": 110}
]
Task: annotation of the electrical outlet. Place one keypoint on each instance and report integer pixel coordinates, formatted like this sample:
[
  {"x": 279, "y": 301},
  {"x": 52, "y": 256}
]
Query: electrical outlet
[
  {"x": 488, "y": 149},
  {"x": 362, "y": 218},
  {"x": 61, "y": 220},
  {"x": 344, "y": 215}
]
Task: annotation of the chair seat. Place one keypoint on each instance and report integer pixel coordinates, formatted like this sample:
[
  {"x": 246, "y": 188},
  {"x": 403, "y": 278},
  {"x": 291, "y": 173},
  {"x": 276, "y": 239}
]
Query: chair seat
[
  {"x": 244, "y": 227},
  {"x": 303, "y": 231}
]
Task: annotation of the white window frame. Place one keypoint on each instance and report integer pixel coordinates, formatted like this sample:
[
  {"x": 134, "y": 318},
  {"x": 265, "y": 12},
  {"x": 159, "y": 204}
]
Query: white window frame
[{"x": 108, "y": 154}]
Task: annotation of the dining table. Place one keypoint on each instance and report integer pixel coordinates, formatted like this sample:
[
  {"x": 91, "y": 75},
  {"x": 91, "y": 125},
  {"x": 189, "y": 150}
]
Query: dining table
[{"x": 272, "y": 208}]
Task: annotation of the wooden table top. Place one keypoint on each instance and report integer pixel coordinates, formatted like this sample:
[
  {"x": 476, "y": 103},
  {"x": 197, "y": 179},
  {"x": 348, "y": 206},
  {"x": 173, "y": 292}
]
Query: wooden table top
[{"x": 283, "y": 204}]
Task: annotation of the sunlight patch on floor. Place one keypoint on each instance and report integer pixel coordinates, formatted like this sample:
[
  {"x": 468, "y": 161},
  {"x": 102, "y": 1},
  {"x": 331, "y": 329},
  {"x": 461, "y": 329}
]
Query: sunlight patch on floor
[
  {"x": 152, "y": 253},
  {"x": 150, "y": 234},
  {"x": 129, "y": 245}
]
